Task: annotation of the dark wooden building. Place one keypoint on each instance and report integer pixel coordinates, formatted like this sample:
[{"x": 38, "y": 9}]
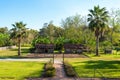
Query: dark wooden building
[
  {"x": 44, "y": 48},
  {"x": 74, "y": 48}
]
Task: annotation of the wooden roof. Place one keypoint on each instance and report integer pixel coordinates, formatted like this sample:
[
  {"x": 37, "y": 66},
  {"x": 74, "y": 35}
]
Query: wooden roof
[{"x": 44, "y": 46}]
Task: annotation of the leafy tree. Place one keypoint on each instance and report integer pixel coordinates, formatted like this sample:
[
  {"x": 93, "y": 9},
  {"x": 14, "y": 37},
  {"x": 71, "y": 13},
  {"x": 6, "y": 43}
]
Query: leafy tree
[
  {"x": 114, "y": 23},
  {"x": 59, "y": 42},
  {"x": 4, "y": 30},
  {"x": 18, "y": 33},
  {"x": 48, "y": 31},
  {"x": 98, "y": 19},
  {"x": 31, "y": 35},
  {"x": 40, "y": 40},
  {"x": 4, "y": 40},
  {"x": 73, "y": 26}
]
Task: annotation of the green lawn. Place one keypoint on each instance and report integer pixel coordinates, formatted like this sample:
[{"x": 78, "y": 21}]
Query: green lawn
[
  {"x": 105, "y": 65},
  {"x": 114, "y": 56},
  {"x": 97, "y": 68},
  {"x": 12, "y": 53},
  {"x": 20, "y": 70}
]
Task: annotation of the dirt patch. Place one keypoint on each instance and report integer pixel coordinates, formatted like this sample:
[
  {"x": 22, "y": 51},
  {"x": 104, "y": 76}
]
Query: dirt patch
[{"x": 46, "y": 55}]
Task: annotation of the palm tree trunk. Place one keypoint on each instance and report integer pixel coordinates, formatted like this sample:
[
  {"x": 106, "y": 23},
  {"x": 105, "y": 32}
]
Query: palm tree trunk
[
  {"x": 97, "y": 46},
  {"x": 19, "y": 47}
]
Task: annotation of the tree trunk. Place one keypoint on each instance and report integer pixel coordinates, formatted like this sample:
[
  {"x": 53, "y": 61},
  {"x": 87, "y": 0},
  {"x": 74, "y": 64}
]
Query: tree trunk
[
  {"x": 63, "y": 57},
  {"x": 53, "y": 57},
  {"x": 19, "y": 47},
  {"x": 97, "y": 46}
]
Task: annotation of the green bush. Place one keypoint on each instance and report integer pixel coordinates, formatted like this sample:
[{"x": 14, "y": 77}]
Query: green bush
[
  {"x": 69, "y": 70},
  {"x": 49, "y": 70},
  {"x": 4, "y": 40},
  {"x": 49, "y": 66},
  {"x": 40, "y": 40},
  {"x": 49, "y": 73}
]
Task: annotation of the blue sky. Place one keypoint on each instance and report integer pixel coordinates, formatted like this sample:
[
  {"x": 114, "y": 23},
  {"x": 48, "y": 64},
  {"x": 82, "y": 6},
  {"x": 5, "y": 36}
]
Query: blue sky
[{"x": 37, "y": 12}]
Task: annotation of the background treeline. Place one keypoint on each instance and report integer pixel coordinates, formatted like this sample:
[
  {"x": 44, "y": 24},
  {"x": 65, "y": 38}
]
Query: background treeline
[{"x": 73, "y": 29}]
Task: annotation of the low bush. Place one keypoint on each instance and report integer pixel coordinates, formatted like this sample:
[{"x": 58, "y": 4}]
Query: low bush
[
  {"x": 49, "y": 70},
  {"x": 69, "y": 70},
  {"x": 32, "y": 50}
]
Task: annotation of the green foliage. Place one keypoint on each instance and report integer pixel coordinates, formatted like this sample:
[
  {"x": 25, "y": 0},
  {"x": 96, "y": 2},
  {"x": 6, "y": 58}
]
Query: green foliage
[
  {"x": 49, "y": 70},
  {"x": 4, "y": 30},
  {"x": 18, "y": 33},
  {"x": 73, "y": 30},
  {"x": 4, "y": 40},
  {"x": 40, "y": 40},
  {"x": 107, "y": 44},
  {"x": 31, "y": 34},
  {"x": 69, "y": 70},
  {"x": 59, "y": 42},
  {"x": 98, "y": 19},
  {"x": 70, "y": 41}
]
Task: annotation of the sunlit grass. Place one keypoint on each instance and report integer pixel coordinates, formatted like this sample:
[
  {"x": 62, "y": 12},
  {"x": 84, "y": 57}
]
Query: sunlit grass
[
  {"x": 105, "y": 65},
  {"x": 100, "y": 68},
  {"x": 13, "y": 52},
  {"x": 113, "y": 56},
  {"x": 20, "y": 70}
]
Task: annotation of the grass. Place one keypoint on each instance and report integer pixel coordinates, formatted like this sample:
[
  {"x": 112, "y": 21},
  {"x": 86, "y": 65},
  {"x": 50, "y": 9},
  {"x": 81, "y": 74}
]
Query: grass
[
  {"x": 114, "y": 56},
  {"x": 105, "y": 65},
  {"x": 101, "y": 68},
  {"x": 12, "y": 53},
  {"x": 20, "y": 70}
]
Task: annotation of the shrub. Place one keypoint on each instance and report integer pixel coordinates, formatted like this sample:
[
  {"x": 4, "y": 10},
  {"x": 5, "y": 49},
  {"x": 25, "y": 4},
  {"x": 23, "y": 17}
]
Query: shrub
[
  {"x": 4, "y": 40},
  {"x": 32, "y": 50},
  {"x": 40, "y": 40},
  {"x": 49, "y": 70},
  {"x": 69, "y": 70},
  {"x": 49, "y": 73}
]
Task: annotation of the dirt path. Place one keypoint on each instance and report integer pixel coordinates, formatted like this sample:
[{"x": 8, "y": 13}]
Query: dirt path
[{"x": 60, "y": 74}]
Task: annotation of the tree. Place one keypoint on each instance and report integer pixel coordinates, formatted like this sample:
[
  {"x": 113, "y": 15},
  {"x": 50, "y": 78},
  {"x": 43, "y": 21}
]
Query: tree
[
  {"x": 98, "y": 19},
  {"x": 114, "y": 23},
  {"x": 73, "y": 28},
  {"x": 31, "y": 35},
  {"x": 48, "y": 31},
  {"x": 4, "y": 30},
  {"x": 4, "y": 40},
  {"x": 18, "y": 32}
]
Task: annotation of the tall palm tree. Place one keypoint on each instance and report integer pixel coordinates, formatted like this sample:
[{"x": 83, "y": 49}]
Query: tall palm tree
[
  {"x": 98, "y": 19},
  {"x": 18, "y": 32}
]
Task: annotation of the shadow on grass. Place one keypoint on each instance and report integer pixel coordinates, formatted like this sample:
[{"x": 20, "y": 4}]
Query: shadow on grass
[
  {"x": 23, "y": 50},
  {"x": 101, "y": 68},
  {"x": 99, "y": 64},
  {"x": 13, "y": 56},
  {"x": 35, "y": 74}
]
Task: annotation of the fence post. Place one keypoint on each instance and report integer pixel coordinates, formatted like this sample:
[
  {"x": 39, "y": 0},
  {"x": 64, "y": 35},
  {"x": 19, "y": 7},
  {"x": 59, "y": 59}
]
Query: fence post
[{"x": 94, "y": 72}]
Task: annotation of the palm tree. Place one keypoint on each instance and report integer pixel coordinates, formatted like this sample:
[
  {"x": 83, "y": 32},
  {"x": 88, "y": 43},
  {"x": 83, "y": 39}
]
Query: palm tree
[
  {"x": 18, "y": 32},
  {"x": 98, "y": 19}
]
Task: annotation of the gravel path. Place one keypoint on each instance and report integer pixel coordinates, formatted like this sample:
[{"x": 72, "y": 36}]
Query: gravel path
[{"x": 15, "y": 59}]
